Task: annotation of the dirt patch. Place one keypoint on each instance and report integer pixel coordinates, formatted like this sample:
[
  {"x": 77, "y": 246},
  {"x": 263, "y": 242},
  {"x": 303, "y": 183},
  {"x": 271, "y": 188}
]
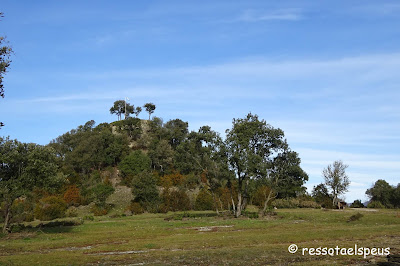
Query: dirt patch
[
  {"x": 210, "y": 228},
  {"x": 117, "y": 252}
]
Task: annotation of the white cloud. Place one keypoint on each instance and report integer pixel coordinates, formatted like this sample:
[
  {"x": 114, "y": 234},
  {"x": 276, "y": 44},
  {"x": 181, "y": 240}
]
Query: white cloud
[{"x": 282, "y": 14}]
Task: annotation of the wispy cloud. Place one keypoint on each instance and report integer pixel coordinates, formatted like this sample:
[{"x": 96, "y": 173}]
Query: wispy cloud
[{"x": 251, "y": 15}]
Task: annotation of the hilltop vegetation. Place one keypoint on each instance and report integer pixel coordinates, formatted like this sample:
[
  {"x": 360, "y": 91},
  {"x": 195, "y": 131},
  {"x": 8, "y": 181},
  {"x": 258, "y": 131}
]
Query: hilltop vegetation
[{"x": 132, "y": 166}]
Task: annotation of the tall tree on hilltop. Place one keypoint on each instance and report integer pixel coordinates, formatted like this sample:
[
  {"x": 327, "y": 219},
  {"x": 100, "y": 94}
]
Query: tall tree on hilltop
[
  {"x": 5, "y": 53},
  {"x": 138, "y": 109},
  {"x": 118, "y": 108},
  {"x": 150, "y": 107}
]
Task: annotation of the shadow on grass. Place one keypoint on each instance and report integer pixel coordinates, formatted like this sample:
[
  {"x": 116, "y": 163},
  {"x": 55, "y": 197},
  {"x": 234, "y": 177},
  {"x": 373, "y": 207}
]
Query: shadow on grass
[{"x": 57, "y": 226}]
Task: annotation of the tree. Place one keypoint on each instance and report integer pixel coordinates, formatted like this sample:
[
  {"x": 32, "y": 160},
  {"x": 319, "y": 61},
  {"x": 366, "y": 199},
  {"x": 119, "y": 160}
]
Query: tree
[
  {"x": 176, "y": 131},
  {"x": 336, "y": 179},
  {"x": 321, "y": 195},
  {"x": 150, "y": 107},
  {"x": 22, "y": 168},
  {"x": 252, "y": 146},
  {"x": 284, "y": 178},
  {"x": 137, "y": 111},
  {"x": 381, "y": 192},
  {"x": 118, "y": 108},
  {"x": 122, "y": 107},
  {"x": 5, "y": 54},
  {"x": 145, "y": 192}
]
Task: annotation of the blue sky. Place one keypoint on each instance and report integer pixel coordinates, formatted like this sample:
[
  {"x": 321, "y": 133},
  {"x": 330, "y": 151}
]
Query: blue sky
[{"x": 326, "y": 72}]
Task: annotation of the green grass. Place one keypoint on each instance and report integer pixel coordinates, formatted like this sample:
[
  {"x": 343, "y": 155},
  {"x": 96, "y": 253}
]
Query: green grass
[{"x": 156, "y": 239}]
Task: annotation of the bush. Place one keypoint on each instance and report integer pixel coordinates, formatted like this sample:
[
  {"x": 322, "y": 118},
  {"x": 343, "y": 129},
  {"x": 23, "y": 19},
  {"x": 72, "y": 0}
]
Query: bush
[
  {"x": 173, "y": 179},
  {"x": 100, "y": 193},
  {"x": 204, "y": 201},
  {"x": 22, "y": 210},
  {"x": 376, "y": 205},
  {"x": 72, "y": 196},
  {"x": 135, "y": 208},
  {"x": 50, "y": 208},
  {"x": 145, "y": 191},
  {"x": 357, "y": 204},
  {"x": 355, "y": 217},
  {"x": 135, "y": 163},
  {"x": 100, "y": 210},
  {"x": 71, "y": 212},
  {"x": 175, "y": 200},
  {"x": 292, "y": 203}
]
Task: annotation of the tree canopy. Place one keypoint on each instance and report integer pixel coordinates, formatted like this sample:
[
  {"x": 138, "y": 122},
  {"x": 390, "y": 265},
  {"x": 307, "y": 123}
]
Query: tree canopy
[
  {"x": 5, "y": 62},
  {"x": 336, "y": 179}
]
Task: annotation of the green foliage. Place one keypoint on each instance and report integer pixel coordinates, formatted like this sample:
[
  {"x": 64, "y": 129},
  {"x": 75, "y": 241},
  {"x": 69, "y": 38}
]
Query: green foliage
[
  {"x": 100, "y": 192},
  {"x": 131, "y": 126},
  {"x": 119, "y": 108},
  {"x": 321, "y": 196},
  {"x": 336, "y": 179},
  {"x": 85, "y": 149},
  {"x": 50, "y": 208},
  {"x": 294, "y": 203},
  {"x": 24, "y": 167},
  {"x": 204, "y": 201},
  {"x": 381, "y": 192},
  {"x": 150, "y": 107},
  {"x": 251, "y": 215},
  {"x": 253, "y": 146},
  {"x": 145, "y": 191},
  {"x": 135, "y": 163},
  {"x": 176, "y": 132},
  {"x": 376, "y": 205},
  {"x": 22, "y": 210},
  {"x": 357, "y": 204},
  {"x": 161, "y": 155},
  {"x": 5, "y": 61}
]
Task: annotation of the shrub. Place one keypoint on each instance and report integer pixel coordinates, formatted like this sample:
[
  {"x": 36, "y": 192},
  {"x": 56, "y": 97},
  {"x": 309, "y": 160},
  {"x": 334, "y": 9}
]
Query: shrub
[
  {"x": 100, "y": 193},
  {"x": 135, "y": 163},
  {"x": 72, "y": 196},
  {"x": 22, "y": 210},
  {"x": 355, "y": 217},
  {"x": 175, "y": 200},
  {"x": 135, "y": 208},
  {"x": 357, "y": 204},
  {"x": 294, "y": 203},
  {"x": 99, "y": 210},
  {"x": 173, "y": 179},
  {"x": 204, "y": 201},
  {"x": 376, "y": 205},
  {"x": 145, "y": 191},
  {"x": 50, "y": 208},
  {"x": 71, "y": 212}
]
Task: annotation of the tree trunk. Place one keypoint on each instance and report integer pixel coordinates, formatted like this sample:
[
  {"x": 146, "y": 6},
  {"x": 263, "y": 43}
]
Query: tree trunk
[
  {"x": 215, "y": 202},
  {"x": 6, "y": 226},
  {"x": 266, "y": 202},
  {"x": 239, "y": 205}
]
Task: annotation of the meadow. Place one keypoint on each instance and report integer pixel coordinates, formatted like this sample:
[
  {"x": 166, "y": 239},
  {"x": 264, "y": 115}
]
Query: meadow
[{"x": 201, "y": 238}]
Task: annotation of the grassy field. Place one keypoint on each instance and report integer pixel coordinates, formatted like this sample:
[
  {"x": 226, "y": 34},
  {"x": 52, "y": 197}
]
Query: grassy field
[{"x": 159, "y": 239}]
